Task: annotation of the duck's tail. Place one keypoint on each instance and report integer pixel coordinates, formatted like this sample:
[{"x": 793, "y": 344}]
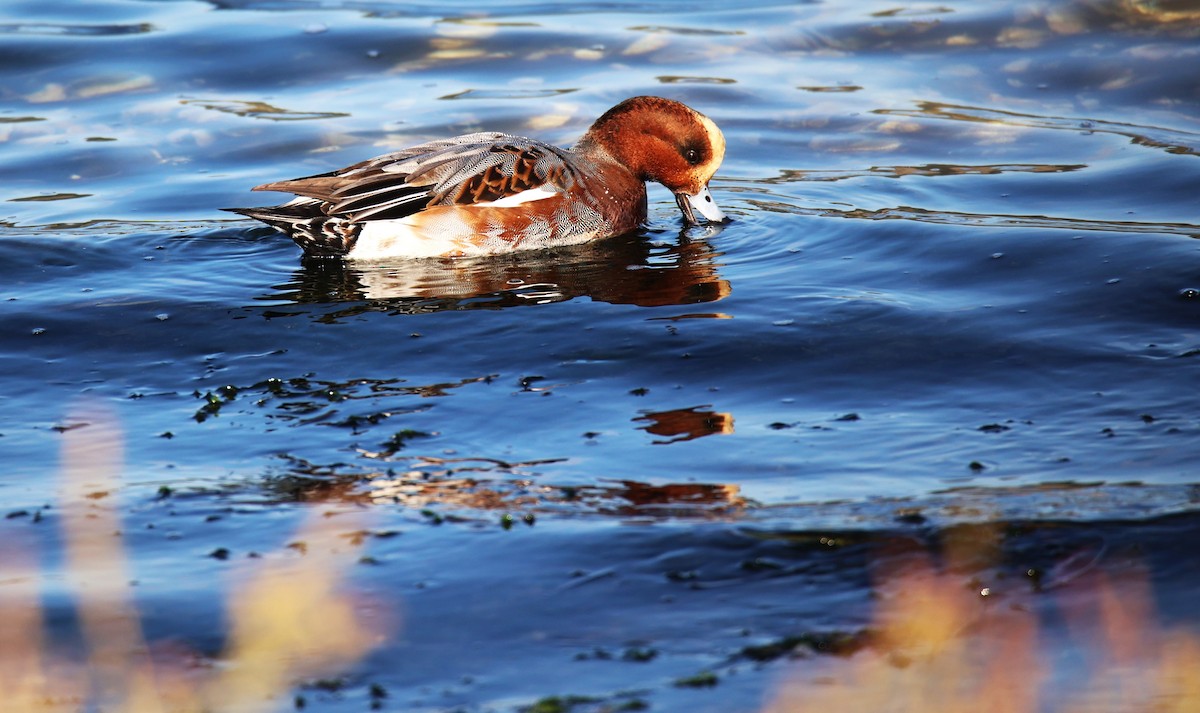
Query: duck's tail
[{"x": 303, "y": 221}]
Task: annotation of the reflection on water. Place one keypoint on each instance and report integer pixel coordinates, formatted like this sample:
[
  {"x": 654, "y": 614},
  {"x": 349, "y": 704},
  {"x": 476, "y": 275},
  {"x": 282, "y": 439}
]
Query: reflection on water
[
  {"x": 508, "y": 94},
  {"x": 454, "y": 487},
  {"x": 46, "y": 197},
  {"x": 627, "y": 498},
  {"x": 260, "y": 110},
  {"x": 391, "y": 467},
  {"x": 1081, "y": 15},
  {"x": 685, "y": 424},
  {"x": 835, "y": 88},
  {"x": 622, "y": 270}
]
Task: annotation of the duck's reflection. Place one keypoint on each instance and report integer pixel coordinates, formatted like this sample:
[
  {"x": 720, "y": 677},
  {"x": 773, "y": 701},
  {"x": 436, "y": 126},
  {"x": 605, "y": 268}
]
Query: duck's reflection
[
  {"x": 624, "y": 270},
  {"x": 464, "y": 487}
]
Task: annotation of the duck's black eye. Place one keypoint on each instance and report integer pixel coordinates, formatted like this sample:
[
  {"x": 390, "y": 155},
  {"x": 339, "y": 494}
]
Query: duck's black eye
[{"x": 694, "y": 151}]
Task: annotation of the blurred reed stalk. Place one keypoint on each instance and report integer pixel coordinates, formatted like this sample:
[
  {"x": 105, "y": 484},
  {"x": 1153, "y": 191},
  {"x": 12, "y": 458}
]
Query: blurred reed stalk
[
  {"x": 944, "y": 645},
  {"x": 287, "y": 622}
]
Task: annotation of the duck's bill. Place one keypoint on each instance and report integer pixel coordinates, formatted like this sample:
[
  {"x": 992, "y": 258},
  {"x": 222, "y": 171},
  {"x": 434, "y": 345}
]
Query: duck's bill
[{"x": 701, "y": 203}]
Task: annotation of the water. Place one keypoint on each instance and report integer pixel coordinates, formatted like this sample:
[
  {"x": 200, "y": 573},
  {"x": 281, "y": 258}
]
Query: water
[{"x": 960, "y": 286}]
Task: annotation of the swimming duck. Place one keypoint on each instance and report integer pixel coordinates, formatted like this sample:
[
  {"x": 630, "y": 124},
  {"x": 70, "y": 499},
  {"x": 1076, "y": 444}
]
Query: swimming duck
[{"x": 488, "y": 193}]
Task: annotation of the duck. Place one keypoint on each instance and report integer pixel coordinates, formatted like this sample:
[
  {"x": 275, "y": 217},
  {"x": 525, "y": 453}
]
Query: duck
[{"x": 492, "y": 193}]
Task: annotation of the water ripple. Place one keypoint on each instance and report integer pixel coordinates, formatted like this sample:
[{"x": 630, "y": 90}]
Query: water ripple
[
  {"x": 930, "y": 169},
  {"x": 950, "y": 217},
  {"x": 1172, "y": 141}
]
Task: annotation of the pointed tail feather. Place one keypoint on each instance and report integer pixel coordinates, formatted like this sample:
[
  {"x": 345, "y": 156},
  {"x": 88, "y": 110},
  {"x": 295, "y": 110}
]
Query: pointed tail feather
[{"x": 314, "y": 232}]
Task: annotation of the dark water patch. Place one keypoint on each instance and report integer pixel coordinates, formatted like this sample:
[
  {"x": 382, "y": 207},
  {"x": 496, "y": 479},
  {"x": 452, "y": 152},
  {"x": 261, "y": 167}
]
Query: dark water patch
[
  {"x": 835, "y": 88},
  {"x": 686, "y": 31},
  {"x": 508, "y": 93},
  {"x": 49, "y": 197},
  {"x": 261, "y": 110},
  {"x": 674, "y": 79},
  {"x": 912, "y": 11},
  {"x": 74, "y": 30}
]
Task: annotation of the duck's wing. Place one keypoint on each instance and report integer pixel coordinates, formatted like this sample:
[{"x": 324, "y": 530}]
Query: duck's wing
[{"x": 465, "y": 170}]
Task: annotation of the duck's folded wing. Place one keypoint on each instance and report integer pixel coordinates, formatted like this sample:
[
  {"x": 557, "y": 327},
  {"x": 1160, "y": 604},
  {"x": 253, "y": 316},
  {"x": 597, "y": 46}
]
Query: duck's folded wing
[{"x": 472, "y": 169}]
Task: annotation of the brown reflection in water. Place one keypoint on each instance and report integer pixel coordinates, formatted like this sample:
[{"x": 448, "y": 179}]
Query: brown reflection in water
[
  {"x": 621, "y": 270},
  {"x": 457, "y": 486},
  {"x": 685, "y": 424},
  {"x": 673, "y": 495},
  {"x": 624, "y": 498}
]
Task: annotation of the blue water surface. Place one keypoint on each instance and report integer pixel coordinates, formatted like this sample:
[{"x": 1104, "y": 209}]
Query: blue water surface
[{"x": 961, "y": 284}]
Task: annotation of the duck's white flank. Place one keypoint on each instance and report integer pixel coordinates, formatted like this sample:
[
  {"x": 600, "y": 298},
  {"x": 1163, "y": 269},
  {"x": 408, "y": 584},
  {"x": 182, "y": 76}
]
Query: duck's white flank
[{"x": 382, "y": 239}]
